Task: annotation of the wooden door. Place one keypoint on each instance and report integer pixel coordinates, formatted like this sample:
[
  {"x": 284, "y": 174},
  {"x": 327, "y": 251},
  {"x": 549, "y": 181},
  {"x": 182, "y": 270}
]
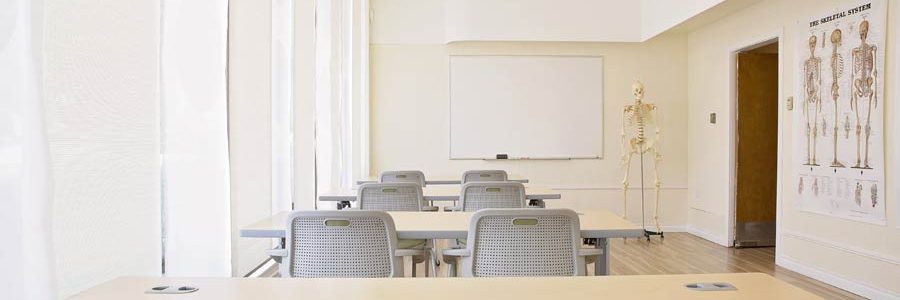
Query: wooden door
[{"x": 757, "y": 149}]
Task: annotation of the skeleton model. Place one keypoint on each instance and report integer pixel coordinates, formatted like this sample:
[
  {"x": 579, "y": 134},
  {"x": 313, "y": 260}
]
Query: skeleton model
[
  {"x": 865, "y": 86},
  {"x": 637, "y": 118},
  {"x": 837, "y": 67},
  {"x": 812, "y": 71}
]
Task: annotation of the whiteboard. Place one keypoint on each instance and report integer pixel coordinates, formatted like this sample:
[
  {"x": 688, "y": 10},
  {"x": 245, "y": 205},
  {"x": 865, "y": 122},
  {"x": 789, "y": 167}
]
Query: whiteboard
[{"x": 525, "y": 106}]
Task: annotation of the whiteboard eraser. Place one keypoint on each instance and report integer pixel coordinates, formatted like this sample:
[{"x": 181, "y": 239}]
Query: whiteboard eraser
[{"x": 502, "y": 156}]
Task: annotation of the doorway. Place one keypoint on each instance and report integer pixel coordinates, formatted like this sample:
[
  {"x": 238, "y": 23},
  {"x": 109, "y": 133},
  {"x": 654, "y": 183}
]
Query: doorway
[{"x": 756, "y": 138}]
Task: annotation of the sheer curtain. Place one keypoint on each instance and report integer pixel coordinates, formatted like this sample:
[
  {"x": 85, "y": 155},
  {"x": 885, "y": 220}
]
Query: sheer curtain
[
  {"x": 25, "y": 207},
  {"x": 341, "y": 93}
]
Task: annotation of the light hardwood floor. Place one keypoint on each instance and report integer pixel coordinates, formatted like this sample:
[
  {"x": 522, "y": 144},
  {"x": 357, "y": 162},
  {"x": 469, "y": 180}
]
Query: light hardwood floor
[{"x": 683, "y": 253}]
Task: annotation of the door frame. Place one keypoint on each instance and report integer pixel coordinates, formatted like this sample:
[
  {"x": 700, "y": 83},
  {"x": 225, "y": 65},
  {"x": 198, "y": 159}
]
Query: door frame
[{"x": 775, "y": 36}]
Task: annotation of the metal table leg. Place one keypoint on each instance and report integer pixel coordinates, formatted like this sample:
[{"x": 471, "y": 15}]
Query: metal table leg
[{"x": 601, "y": 266}]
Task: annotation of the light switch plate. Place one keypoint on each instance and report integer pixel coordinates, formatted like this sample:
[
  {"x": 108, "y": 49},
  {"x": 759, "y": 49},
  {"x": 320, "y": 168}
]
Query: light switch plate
[
  {"x": 712, "y": 118},
  {"x": 790, "y": 103}
]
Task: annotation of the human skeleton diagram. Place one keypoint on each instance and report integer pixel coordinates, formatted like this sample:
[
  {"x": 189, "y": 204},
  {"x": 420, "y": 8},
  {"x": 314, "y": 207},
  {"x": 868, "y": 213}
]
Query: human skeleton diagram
[
  {"x": 636, "y": 120},
  {"x": 864, "y": 85},
  {"x": 812, "y": 74},
  {"x": 837, "y": 67}
]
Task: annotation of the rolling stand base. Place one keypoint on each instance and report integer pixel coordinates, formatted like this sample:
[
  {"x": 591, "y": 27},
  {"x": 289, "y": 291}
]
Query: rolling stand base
[{"x": 648, "y": 233}]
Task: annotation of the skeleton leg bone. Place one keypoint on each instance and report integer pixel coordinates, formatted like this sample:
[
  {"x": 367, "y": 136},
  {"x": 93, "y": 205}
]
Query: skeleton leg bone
[{"x": 626, "y": 164}]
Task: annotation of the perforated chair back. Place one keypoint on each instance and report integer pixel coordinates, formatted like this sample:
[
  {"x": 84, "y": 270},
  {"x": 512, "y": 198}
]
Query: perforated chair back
[
  {"x": 484, "y": 175},
  {"x": 398, "y": 196},
  {"x": 480, "y": 195},
  {"x": 523, "y": 243},
  {"x": 402, "y": 176},
  {"x": 341, "y": 244}
]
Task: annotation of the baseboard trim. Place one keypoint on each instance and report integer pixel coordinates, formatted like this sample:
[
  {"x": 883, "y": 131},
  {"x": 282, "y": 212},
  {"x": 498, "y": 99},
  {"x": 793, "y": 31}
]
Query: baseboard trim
[
  {"x": 852, "y": 286},
  {"x": 842, "y": 247},
  {"x": 708, "y": 236}
]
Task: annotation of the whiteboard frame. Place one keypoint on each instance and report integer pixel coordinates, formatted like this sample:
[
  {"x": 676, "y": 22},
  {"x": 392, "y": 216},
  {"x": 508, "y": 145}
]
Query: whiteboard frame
[{"x": 602, "y": 153}]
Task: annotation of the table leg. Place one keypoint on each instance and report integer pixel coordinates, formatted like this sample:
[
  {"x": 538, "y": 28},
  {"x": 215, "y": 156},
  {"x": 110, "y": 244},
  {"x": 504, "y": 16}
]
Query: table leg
[{"x": 601, "y": 266}]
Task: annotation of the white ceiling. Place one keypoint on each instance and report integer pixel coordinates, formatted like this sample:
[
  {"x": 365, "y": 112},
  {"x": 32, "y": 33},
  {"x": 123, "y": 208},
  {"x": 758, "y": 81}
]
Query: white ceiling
[{"x": 566, "y": 20}]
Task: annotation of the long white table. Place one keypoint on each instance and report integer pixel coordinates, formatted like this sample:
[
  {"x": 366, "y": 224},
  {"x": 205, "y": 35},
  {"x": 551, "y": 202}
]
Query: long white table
[
  {"x": 601, "y": 225},
  {"x": 436, "y": 182},
  {"x": 750, "y": 286},
  {"x": 438, "y": 193}
]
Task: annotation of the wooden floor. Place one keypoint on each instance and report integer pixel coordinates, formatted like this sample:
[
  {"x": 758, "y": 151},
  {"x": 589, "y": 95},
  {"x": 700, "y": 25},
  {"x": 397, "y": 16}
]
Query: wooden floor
[{"x": 683, "y": 253}]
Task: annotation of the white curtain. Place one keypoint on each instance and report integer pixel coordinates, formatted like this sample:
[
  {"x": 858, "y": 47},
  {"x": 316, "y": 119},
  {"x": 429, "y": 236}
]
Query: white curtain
[
  {"x": 194, "y": 136},
  {"x": 26, "y": 257},
  {"x": 341, "y": 93}
]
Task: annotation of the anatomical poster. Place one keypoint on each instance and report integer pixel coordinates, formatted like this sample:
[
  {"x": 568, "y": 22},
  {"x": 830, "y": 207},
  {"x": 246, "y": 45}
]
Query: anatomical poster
[{"x": 838, "y": 128}]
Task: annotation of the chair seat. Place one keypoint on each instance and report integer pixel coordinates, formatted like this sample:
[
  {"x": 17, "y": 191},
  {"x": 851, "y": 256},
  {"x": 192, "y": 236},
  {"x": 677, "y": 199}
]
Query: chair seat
[{"x": 408, "y": 244}]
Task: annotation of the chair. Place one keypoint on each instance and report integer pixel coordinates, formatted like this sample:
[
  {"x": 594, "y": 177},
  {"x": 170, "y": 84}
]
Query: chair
[
  {"x": 341, "y": 244},
  {"x": 484, "y": 175},
  {"x": 523, "y": 243},
  {"x": 489, "y": 194},
  {"x": 402, "y": 176},
  {"x": 399, "y": 196}
]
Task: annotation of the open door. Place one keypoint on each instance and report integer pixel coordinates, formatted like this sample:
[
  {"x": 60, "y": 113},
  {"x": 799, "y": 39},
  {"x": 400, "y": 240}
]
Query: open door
[{"x": 757, "y": 146}]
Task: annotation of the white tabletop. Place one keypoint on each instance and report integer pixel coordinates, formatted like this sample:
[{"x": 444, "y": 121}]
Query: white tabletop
[
  {"x": 750, "y": 286},
  {"x": 439, "y": 193},
  {"x": 453, "y": 225},
  {"x": 437, "y": 182}
]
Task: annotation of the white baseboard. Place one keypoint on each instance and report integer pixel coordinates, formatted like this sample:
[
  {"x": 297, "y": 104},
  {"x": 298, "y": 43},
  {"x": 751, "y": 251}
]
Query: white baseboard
[
  {"x": 834, "y": 279},
  {"x": 708, "y": 236}
]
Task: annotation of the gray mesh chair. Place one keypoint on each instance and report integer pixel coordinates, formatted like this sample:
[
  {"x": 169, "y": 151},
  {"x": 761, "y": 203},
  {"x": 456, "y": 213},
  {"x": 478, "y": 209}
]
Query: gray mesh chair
[
  {"x": 402, "y": 176},
  {"x": 523, "y": 243},
  {"x": 341, "y": 244},
  {"x": 399, "y": 196},
  {"x": 484, "y": 175},
  {"x": 489, "y": 194}
]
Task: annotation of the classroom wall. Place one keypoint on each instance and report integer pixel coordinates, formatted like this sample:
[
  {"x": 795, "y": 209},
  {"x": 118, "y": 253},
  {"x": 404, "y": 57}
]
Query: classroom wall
[
  {"x": 862, "y": 258},
  {"x": 410, "y": 122},
  {"x": 101, "y": 93}
]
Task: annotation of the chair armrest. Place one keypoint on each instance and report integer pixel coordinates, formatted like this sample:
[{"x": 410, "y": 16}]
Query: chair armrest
[
  {"x": 452, "y": 208},
  {"x": 590, "y": 252},
  {"x": 409, "y": 252},
  {"x": 430, "y": 208},
  {"x": 457, "y": 252}
]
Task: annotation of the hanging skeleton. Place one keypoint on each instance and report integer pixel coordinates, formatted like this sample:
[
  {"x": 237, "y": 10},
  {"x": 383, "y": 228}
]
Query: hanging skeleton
[
  {"x": 812, "y": 105},
  {"x": 636, "y": 120},
  {"x": 864, "y": 84},
  {"x": 837, "y": 67}
]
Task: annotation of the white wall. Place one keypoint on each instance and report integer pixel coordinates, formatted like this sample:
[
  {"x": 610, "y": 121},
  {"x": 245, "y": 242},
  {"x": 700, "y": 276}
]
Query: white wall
[
  {"x": 101, "y": 81},
  {"x": 862, "y": 258},
  {"x": 541, "y": 20},
  {"x": 249, "y": 123},
  {"x": 410, "y": 121}
]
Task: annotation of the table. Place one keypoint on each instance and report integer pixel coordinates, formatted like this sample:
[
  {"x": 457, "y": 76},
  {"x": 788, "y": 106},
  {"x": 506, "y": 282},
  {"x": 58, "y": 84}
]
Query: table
[
  {"x": 601, "y": 225},
  {"x": 435, "y": 193},
  {"x": 437, "y": 182},
  {"x": 750, "y": 286}
]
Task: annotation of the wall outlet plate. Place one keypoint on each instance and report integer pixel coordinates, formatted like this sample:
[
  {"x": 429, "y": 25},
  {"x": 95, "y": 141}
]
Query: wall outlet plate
[
  {"x": 712, "y": 118},
  {"x": 790, "y": 103}
]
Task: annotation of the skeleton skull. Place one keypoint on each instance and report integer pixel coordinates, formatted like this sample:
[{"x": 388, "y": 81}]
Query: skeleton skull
[{"x": 638, "y": 90}]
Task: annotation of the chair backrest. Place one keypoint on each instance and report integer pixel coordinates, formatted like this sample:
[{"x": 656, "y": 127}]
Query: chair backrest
[
  {"x": 345, "y": 244},
  {"x": 523, "y": 243},
  {"x": 398, "y": 196},
  {"x": 484, "y": 175},
  {"x": 402, "y": 176},
  {"x": 489, "y": 194}
]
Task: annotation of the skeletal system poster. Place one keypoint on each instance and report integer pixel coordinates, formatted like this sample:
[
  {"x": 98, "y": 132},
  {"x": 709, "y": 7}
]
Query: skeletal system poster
[{"x": 838, "y": 129}]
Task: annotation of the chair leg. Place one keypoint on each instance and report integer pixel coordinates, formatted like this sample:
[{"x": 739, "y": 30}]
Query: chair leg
[{"x": 412, "y": 261}]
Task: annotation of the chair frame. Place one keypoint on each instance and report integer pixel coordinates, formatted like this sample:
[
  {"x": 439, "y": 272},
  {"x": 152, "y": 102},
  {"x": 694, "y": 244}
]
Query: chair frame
[
  {"x": 471, "y": 172},
  {"x": 421, "y": 175}
]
